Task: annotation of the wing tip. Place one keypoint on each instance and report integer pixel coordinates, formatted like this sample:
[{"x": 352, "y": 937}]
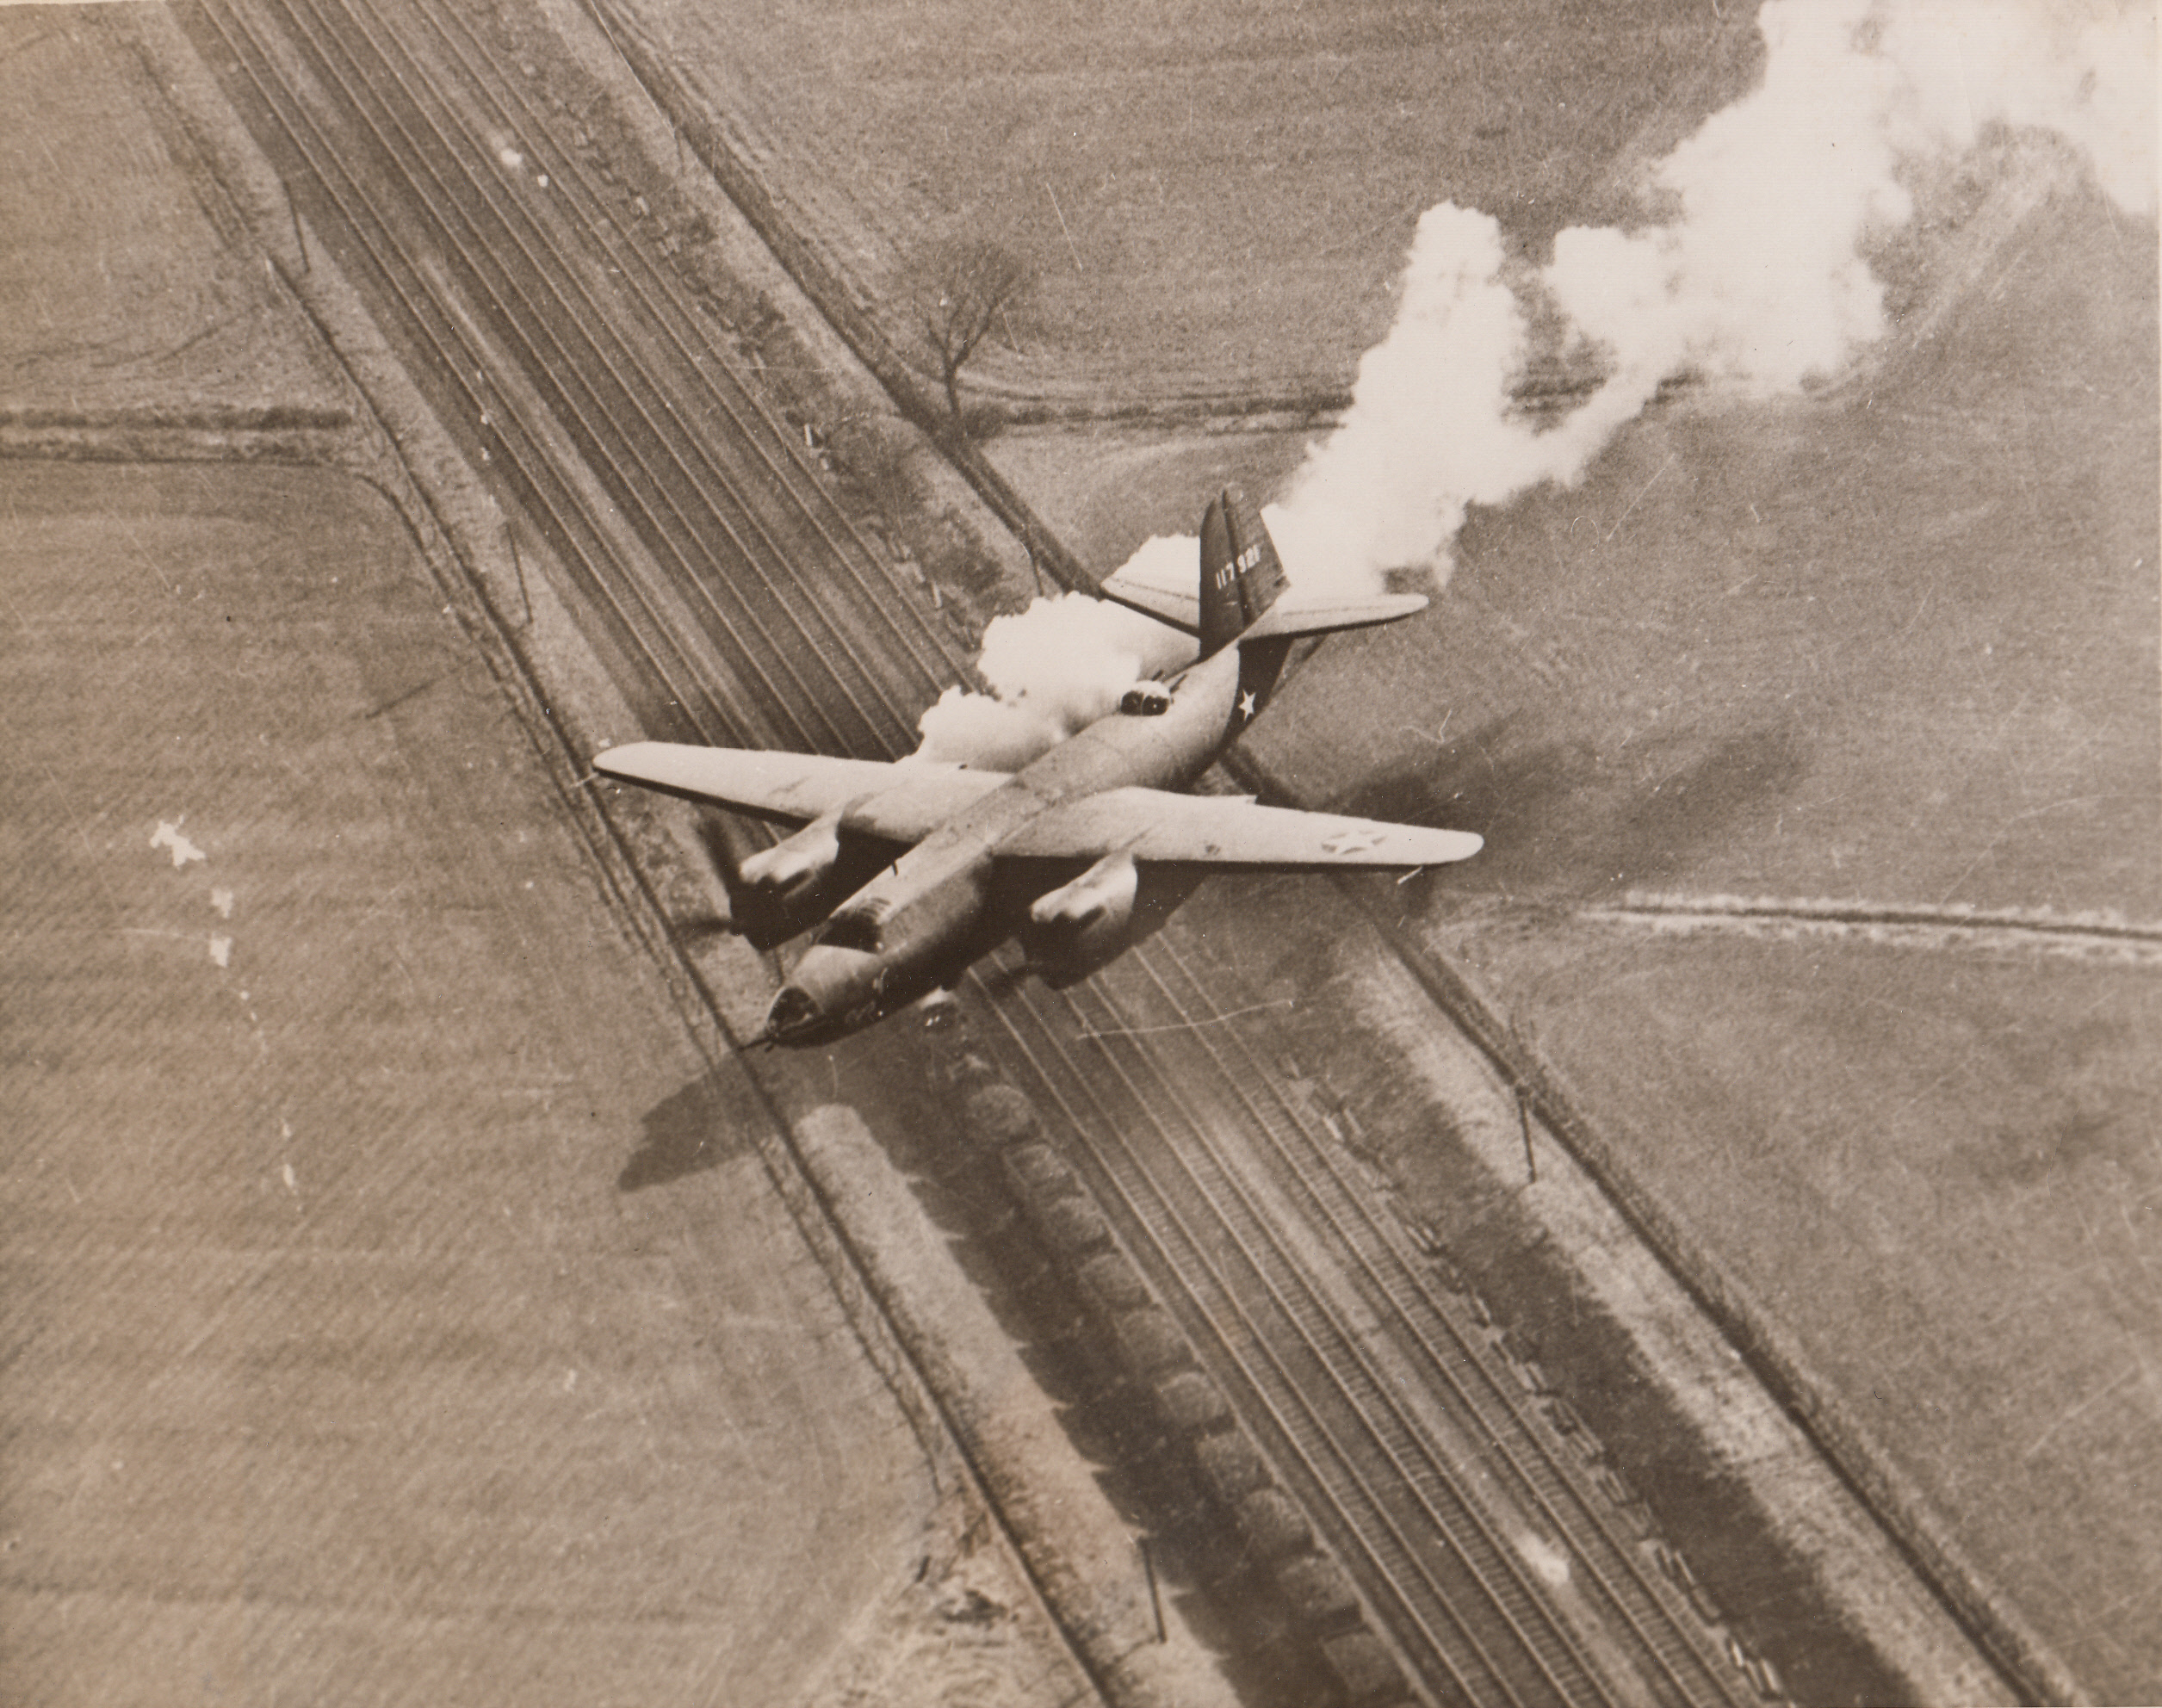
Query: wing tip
[{"x": 613, "y": 760}]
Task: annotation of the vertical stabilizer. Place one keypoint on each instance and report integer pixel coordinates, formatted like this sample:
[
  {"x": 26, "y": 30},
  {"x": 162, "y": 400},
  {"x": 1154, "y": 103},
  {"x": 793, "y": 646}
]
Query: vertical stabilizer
[{"x": 1241, "y": 574}]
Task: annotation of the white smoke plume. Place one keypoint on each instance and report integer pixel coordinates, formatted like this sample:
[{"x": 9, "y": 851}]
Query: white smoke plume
[
  {"x": 1052, "y": 670},
  {"x": 1761, "y": 280},
  {"x": 1752, "y": 273}
]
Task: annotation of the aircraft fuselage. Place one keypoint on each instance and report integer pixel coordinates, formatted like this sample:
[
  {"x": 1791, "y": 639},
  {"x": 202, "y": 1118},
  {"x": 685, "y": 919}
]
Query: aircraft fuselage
[{"x": 919, "y": 924}]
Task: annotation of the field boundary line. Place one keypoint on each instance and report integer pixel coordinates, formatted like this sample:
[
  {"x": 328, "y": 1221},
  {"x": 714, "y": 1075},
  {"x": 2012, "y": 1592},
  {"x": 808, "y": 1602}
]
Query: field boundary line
[{"x": 2090, "y": 936}]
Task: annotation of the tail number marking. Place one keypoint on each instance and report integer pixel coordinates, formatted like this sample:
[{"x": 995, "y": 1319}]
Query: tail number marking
[{"x": 1238, "y": 565}]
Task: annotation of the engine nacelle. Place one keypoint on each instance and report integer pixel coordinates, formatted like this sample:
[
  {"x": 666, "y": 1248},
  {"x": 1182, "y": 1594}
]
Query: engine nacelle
[
  {"x": 789, "y": 887},
  {"x": 1084, "y": 924},
  {"x": 797, "y": 860}
]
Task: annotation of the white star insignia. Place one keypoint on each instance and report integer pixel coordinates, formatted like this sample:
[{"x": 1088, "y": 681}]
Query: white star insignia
[{"x": 1246, "y": 705}]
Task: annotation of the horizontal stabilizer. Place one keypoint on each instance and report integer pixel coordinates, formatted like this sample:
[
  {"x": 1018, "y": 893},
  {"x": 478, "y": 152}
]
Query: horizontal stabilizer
[
  {"x": 1154, "y": 825},
  {"x": 1292, "y": 615},
  {"x": 1325, "y": 617},
  {"x": 1181, "y": 610}
]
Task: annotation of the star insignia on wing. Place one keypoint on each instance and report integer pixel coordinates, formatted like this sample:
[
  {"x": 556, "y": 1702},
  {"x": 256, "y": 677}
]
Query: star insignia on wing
[
  {"x": 1353, "y": 842},
  {"x": 1246, "y": 706}
]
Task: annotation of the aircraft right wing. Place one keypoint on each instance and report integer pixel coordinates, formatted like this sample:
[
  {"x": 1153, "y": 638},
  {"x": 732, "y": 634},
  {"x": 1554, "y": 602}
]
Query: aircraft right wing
[
  {"x": 1216, "y": 830},
  {"x": 904, "y": 802}
]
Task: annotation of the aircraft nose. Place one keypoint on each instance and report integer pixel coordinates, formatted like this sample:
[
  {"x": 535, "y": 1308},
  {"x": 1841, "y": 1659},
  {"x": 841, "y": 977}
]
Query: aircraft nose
[{"x": 793, "y": 1011}]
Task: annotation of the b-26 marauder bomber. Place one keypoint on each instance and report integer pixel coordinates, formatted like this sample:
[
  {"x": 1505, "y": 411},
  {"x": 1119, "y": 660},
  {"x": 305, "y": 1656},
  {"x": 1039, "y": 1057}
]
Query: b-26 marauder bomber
[{"x": 917, "y": 869}]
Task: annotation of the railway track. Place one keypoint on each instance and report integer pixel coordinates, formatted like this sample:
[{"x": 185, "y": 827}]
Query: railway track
[
  {"x": 742, "y": 608},
  {"x": 1373, "y": 1390},
  {"x": 511, "y": 286}
]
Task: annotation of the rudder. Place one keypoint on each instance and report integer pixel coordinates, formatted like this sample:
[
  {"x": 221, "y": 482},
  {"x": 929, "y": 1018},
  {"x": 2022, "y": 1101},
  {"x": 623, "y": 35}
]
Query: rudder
[{"x": 1241, "y": 574}]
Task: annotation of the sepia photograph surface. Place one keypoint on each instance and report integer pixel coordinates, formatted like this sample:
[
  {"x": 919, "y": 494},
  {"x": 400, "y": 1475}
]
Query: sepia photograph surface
[{"x": 950, "y": 855}]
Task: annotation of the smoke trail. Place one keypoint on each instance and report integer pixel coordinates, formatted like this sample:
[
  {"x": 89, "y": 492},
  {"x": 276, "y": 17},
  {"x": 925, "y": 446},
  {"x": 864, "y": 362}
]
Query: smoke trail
[
  {"x": 1761, "y": 280},
  {"x": 1056, "y": 668},
  {"x": 1754, "y": 276}
]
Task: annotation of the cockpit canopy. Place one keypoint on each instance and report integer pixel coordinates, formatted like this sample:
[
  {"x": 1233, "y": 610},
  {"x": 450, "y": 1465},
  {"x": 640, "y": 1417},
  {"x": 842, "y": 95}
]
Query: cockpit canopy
[
  {"x": 1145, "y": 700},
  {"x": 793, "y": 1010}
]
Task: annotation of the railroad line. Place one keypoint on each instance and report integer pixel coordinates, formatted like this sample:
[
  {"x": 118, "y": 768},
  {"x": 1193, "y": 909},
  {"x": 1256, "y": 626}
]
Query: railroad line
[
  {"x": 747, "y": 612},
  {"x": 1336, "y": 1350},
  {"x": 472, "y": 316},
  {"x": 621, "y": 420},
  {"x": 447, "y": 367},
  {"x": 1486, "y": 1397},
  {"x": 744, "y": 507}
]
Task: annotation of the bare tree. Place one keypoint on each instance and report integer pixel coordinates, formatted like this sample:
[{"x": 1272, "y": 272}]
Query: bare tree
[{"x": 962, "y": 288}]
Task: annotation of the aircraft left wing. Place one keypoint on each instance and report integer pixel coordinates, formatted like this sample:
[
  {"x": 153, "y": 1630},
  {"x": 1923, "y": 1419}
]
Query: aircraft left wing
[
  {"x": 1153, "y": 824},
  {"x": 904, "y": 802}
]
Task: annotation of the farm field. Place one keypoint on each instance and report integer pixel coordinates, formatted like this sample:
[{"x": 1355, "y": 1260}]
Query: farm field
[
  {"x": 122, "y": 293},
  {"x": 1217, "y": 198},
  {"x": 341, "y": 1363}
]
